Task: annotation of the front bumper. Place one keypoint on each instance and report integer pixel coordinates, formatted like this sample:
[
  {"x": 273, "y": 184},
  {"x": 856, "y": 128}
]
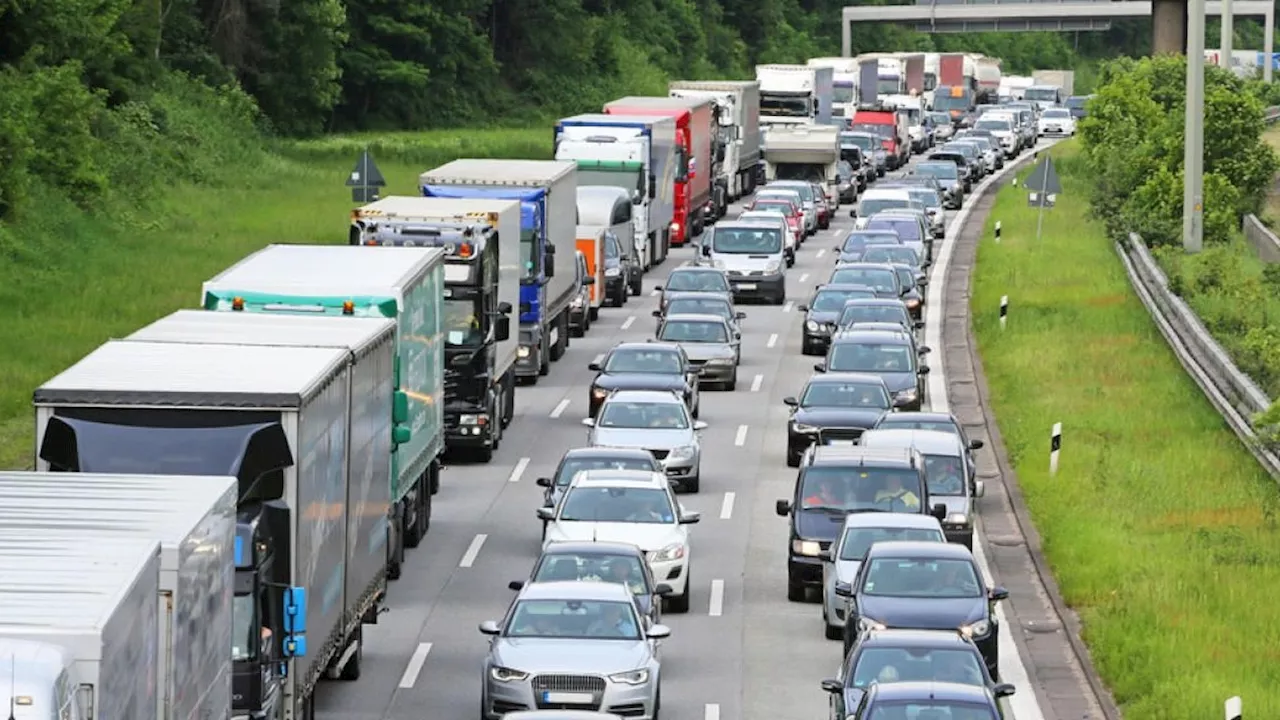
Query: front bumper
[
  {"x": 601, "y": 695},
  {"x": 672, "y": 572},
  {"x": 527, "y": 361},
  {"x": 816, "y": 342},
  {"x": 477, "y": 432},
  {"x": 804, "y": 570},
  {"x": 758, "y": 286},
  {"x": 612, "y": 284},
  {"x": 717, "y": 373},
  {"x": 680, "y": 471},
  {"x": 833, "y": 605},
  {"x": 908, "y": 405},
  {"x": 958, "y": 534}
]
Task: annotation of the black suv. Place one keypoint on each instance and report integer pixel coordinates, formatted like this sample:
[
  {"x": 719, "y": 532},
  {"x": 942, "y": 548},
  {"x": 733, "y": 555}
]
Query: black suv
[{"x": 837, "y": 480}]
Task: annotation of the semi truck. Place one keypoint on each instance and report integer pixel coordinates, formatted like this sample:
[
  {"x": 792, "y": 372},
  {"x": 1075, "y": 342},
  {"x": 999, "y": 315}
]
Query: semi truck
[
  {"x": 1064, "y": 80},
  {"x": 695, "y": 134},
  {"x": 401, "y": 284},
  {"x": 738, "y": 117},
  {"x": 1014, "y": 87},
  {"x": 194, "y": 520},
  {"x": 987, "y": 73},
  {"x": 78, "y": 636},
  {"x": 547, "y": 191},
  {"x": 481, "y": 244},
  {"x": 304, "y": 438},
  {"x": 795, "y": 94},
  {"x": 957, "y": 90},
  {"x": 637, "y": 153},
  {"x": 809, "y": 153},
  {"x": 844, "y": 84}
]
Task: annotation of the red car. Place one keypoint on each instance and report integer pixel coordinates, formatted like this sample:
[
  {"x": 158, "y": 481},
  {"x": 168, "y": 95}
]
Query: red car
[{"x": 794, "y": 215}]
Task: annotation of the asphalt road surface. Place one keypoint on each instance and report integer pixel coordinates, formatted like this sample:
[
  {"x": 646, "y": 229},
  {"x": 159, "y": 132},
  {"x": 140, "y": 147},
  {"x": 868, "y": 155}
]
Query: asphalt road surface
[{"x": 743, "y": 651}]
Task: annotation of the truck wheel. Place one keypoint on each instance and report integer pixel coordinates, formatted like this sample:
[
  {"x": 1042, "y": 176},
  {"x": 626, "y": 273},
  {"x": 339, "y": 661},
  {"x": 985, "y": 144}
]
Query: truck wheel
[
  {"x": 544, "y": 360},
  {"x": 395, "y": 545},
  {"x": 351, "y": 671},
  {"x": 592, "y": 315},
  {"x": 508, "y": 402},
  {"x": 636, "y": 283},
  {"x": 562, "y": 338}
]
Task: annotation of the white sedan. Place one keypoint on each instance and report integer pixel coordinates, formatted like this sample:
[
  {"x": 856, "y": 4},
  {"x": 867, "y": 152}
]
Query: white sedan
[
  {"x": 630, "y": 506},
  {"x": 1057, "y": 121}
]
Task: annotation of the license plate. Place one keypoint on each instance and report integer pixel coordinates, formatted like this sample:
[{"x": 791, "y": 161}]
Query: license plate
[
  {"x": 747, "y": 286},
  {"x": 841, "y": 442},
  {"x": 568, "y": 698}
]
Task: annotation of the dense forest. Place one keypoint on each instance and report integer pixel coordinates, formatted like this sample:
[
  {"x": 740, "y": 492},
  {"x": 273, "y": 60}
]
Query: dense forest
[{"x": 95, "y": 93}]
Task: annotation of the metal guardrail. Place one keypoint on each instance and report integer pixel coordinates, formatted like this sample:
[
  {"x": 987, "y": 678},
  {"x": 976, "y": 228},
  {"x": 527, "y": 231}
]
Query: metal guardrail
[
  {"x": 1235, "y": 395},
  {"x": 1271, "y": 114},
  {"x": 1265, "y": 244}
]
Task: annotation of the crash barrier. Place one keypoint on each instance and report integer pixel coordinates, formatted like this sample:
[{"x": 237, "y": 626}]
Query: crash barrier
[
  {"x": 1265, "y": 244},
  {"x": 1235, "y": 395}
]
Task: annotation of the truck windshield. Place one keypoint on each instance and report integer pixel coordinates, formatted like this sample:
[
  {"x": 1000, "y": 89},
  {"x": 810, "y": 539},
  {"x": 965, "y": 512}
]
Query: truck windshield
[
  {"x": 528, "y": 258},
  {"x": 463, "y": 322},
  {"x": 811, "y": 172},
  {"x": 245, "y": 632},
  {"x": 947, "y": 102},
  {"x": 784, "y": 105},
  {"x": 1042, "y": 94},
  {"x": 883, "y": 130},
  {"x": 626, "y": 179},
  {"x": 889, "y": 86},
  {"x": 842, "y": 94}
]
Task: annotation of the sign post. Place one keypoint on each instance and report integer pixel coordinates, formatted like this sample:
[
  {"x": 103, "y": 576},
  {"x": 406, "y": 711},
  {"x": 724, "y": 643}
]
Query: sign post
[
  {"x": 1043, "y": 188},
  {"x": 365, "y": 179}
]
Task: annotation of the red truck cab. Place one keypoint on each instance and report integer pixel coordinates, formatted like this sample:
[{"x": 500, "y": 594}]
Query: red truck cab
[{"x": 891, "y": 127}]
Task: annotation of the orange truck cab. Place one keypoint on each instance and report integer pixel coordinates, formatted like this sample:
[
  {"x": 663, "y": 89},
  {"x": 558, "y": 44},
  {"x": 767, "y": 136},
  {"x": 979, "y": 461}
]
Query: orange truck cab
[{"x": 591, "y": 244}]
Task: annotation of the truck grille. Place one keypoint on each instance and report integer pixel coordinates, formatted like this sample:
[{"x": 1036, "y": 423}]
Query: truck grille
[
  {"x": 733, "y": 274},
  {"x": 660, "y": 454},
  {"x": 569, "y": 683}
]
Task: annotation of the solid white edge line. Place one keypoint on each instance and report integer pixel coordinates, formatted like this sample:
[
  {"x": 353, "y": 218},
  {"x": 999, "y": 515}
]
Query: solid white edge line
[
  {"x": 626, "y": 324},
  {"x": 519, "y": 469},
  {"x": 469, "y": 557},
  {"x": 564, "y": 404},
  {"x": 416, "y": 661},
  {"x": 756, "y": 382},
  {"x": 726, "y": 505},
  {"x": 1024, "y": 705},
  {"x": 716, "y": 607},
  {"x": 773, "y": 340},
  {"x": 712, "y": 712},
  {"x": 787, "y": 308},
  {"x": 741, "y": 438}
]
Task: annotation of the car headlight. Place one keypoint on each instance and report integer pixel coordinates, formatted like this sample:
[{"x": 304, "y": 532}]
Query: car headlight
[
  {"x": 720, "y": 361},
  {"x": 612, "y": 272},
  {"x": 599, "y": 393},
  {"x": 957, "y": 519},
  {"x": 810, "y": 548},
  {"x": 506, "y": 674},
  {"x": 683, "y": 452},
  {"x": 674, "y": 551},
  {"x": 631, "y": 677},
  {"x": 912, "y": 303},
  {"x": 576, "y": 303},
  {"x": 523, "y": 351},
  {"x": 905, "y": 396},
  {"x": 773, "y": 267},
  {"x": 801, "y": 428},
  {"x": 480, "y": 419},
  {"x": 865, "y": 624},
  {"x": 975, "y": 630},
  {"x": 811, "y": 326}
]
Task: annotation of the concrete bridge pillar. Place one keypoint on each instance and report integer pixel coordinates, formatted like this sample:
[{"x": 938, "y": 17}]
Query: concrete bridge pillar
[{"x": 1169, "y": 27}]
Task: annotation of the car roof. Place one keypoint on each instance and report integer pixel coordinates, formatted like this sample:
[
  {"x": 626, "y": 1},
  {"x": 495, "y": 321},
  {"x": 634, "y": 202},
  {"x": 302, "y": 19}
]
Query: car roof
[
  {"x": 883, "y": 192},
  {"x": 645, "y": 396},
  {"x": 929, "y": 442},
  {"x": 575, "y": 590},
  {"x": 834, "y": 378},
  {"x": 908, "y": 691},
  {"x": 592, "y": 548},
  {"x": 613, "y": 477},
  {"x": 738, "y": 225},
  {"x": 757, "y": 214},
  {"x": 917, "y": 548},
  {"x": 697, "y": 295},
  {"x": 864, "y": 265},
  {"x": 842, "y": 287},
  {"x": 874, "y": 302},
  {"x": 893, "y": 637},
  {"x": 596, "y": 451},
  {"x": 892, "y": 520},
  {"x": 884, "y": 327},
  {"x": 699, "y": 317},
  {"x": 839, "y": 455},
  {"x": 880, "y": 337},
  {"x": 559, "y": 715},
  {"x": 656, "y": 345},
  {"x": 697, "y": 268}
]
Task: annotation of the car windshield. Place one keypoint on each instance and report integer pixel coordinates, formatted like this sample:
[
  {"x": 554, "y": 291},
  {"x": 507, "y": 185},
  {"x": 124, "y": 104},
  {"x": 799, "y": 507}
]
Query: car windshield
[
  {"x": 941, "y": 170},
  {"x": 864, "y": 142},
  {"x": 917, "y": 664},
  {"x": 940, "y": 118},
  {"x": 1056, "y": 114},
  {"x": 700, "y": 281},
  {"x": 576, "y": 619},
  {"x": 857, "y": 541},
  {"x": 859, "y": 240},
  {"x": 871, "y": 206},
  {"x": 881, "y": 279},
  {"x": 993, "y": 124},
  {"x": 945, "y": 474},
  {"x": 694, "y": 331},
  {"x": 906, "y": 275},
  {"x": 939, "y": 578},
  {"x": 895, "y": 422},
  {"x": 573, "y": 466},
  {"x": 926, "y": 197},
  {"x": 892, "y": 254},
  {"x": 759, "y": 240},
  {"x": 907, "y": 229},
  {"x": 781, "y": 206},
  {"x": 931, "y": 710},
  {"x": 806, "y": 192},
  {"x": 833, "y": 300},
  {"x": 617, "y": 504},
  {"x": 871, "y": 357},
  {"x": 883, "y": 130},
  {"x": 827, "y": 394},
  {"x": 662, "y": 362},
  {"x": 700, "y": 306},
  {"x": 861, "y": 488},
  {"x": 567, "y": 567},
  {"x": 635, "y": 415}
]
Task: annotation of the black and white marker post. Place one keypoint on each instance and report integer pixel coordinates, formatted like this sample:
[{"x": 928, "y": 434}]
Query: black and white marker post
[
  {"x": 1004, "y": 311},
  {"x": 1235, "y": 708},
  {"x": 997, "y": 231},
  {"x": 1055, "y": 447}
]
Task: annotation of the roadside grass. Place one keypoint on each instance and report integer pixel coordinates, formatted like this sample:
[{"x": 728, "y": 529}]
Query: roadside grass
[
  {"x": 1161, "y": 529},
  {"x": 86, "y": 278}
]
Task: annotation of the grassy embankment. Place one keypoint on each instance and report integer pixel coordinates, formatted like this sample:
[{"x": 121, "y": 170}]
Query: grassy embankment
[
  {"x": 1160, "y": 527},
  {"x": 80, "y": 278}
]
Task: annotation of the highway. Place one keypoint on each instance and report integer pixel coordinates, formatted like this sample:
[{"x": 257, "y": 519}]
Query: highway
[{"x": 743, "y": 651}]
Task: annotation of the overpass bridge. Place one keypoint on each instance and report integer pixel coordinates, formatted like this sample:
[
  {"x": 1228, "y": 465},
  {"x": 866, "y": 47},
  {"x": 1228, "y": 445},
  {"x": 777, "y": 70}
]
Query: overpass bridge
[{"x": 1168, "y": 18}]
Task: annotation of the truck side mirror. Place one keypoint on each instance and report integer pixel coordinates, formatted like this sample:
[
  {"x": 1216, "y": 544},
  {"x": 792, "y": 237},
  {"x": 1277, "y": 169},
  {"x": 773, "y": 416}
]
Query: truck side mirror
[
  {"x": 504, "y": 308},
  {"x": 400, "y": 435},
  {"x": 549, "y": 261},
  {"x": 295, "y": 622},
  {"x": 653, "y": 186},
  {"x": 399, "y": 407},
  {"x": 502, "y": 326}
]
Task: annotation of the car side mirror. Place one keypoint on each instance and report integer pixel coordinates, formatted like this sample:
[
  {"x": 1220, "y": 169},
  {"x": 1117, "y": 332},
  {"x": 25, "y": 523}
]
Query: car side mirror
[
  {"x": 657, "y": 314},
  {"x": 489, "y": 627},
  {"x": 658, "y": 632},
  {"x": 546, "y": 513},
  {"x": 543, "y": 482},
  {"x": 595, "y": 366},
  {"x": 1003, "y": 690},
  {"x": 782, "y": 507},
  {"x": 998, "y": 593},
  {"x": 923, "y": 282},
  {"x": 918, "y": 324},
  {"x": 976, "y": 444},
  {"x": 706, "y": 250},
  {"x": 922, "y": 370},
  {"x": 802, "y": 308},
  {"x": 663, "y": 590},
  {"x": 699, "y": 425},
  {"x": 820, "y": 367},
  {"x": 589, "y": 422},
  {"x": 844, "y": 589},
  {"x": 853, "y": 213},
  {"x": 826, "y": 556},
  {"x": 690, "y": 518},
  {"x": 790, "y": 401},
  {"x": 740, "y": 316},
  {"x": 924, "y": 350},
  {"x": 515, "y": 585},
  {"x": 939, "y": 511},
  {"x": 979, "y": 488},
  {"x": 833, "y": 686}
]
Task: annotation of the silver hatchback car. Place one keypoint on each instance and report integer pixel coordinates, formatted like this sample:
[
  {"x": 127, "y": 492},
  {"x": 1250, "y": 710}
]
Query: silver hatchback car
[
  {"x": 655, "y": 421},
  {"x": 611, "y": 664},
  {"x": 711, "y": 343}
]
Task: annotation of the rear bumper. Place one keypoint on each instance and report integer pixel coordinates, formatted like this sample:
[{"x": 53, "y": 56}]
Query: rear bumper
[{"x": 758, "y": 287}]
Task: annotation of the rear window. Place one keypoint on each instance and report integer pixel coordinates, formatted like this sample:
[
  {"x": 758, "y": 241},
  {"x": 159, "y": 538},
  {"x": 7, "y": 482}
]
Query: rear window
[{"x": 908, "y": 230}]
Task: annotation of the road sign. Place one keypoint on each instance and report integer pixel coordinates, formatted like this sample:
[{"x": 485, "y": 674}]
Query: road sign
[
  {"x": 365, "y": 179},
  {"x": 1036, "y": 201},
  {"x": 1043, "y": 178}
]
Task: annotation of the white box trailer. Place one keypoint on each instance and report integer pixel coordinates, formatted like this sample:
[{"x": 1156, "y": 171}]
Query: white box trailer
[
  {"x": 194, "y": 519},
  {"x": 89, "y": 652},
  {"x": 281, "y": 420},
  {"x": 738, "y": 116}
]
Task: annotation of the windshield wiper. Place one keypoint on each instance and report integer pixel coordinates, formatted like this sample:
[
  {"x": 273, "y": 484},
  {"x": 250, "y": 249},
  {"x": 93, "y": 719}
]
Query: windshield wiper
[{"x": 826, "y": 509}]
